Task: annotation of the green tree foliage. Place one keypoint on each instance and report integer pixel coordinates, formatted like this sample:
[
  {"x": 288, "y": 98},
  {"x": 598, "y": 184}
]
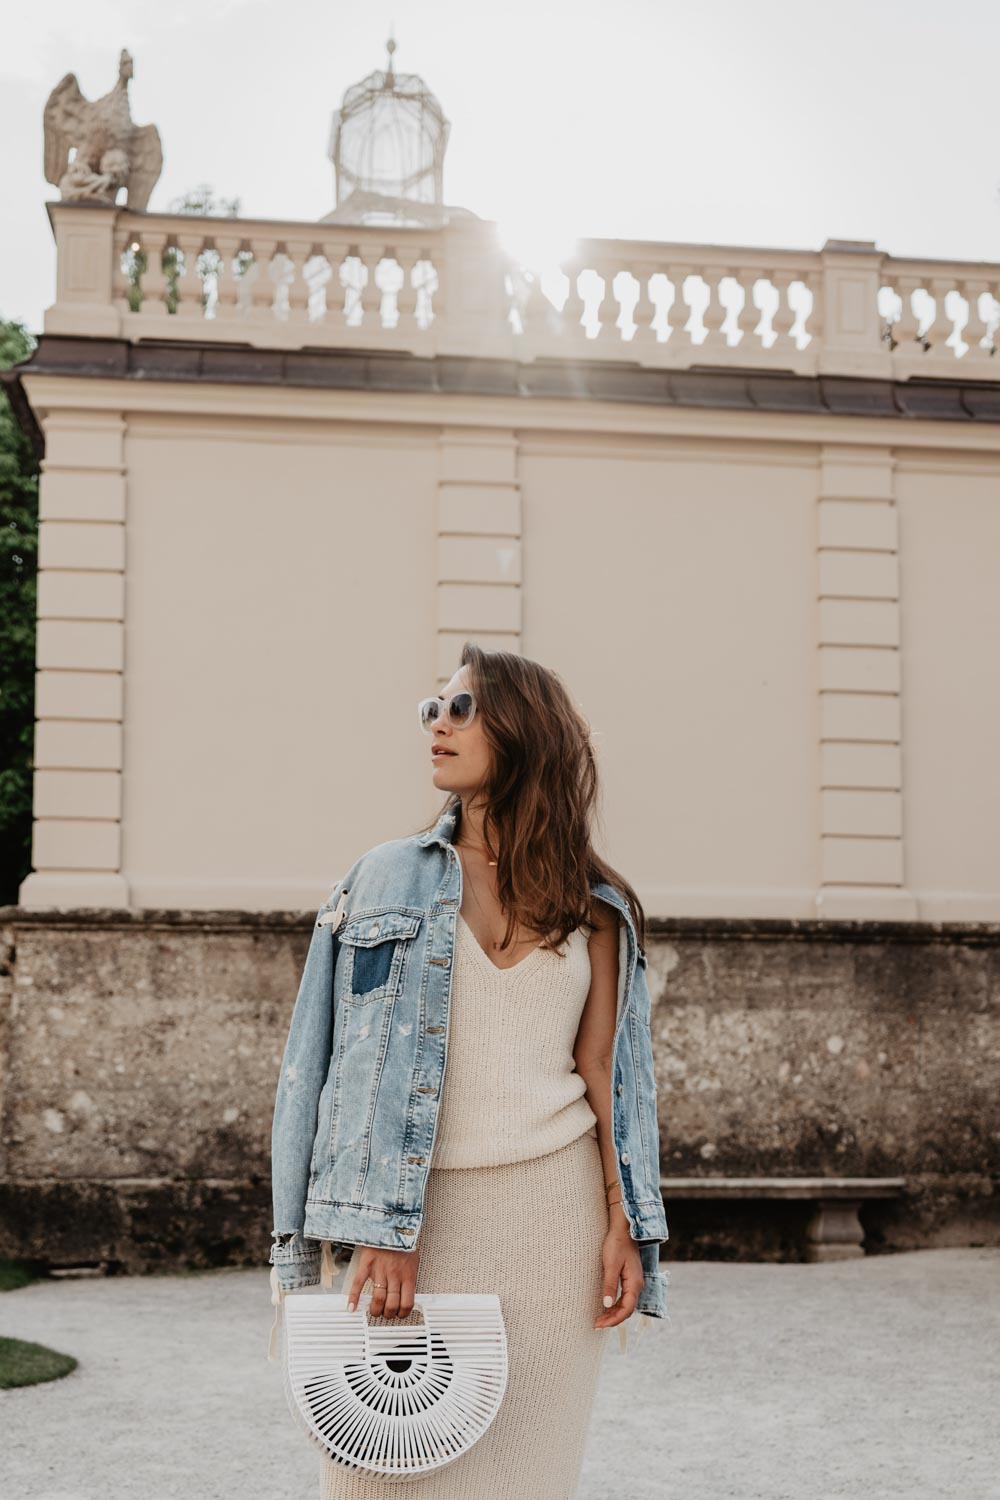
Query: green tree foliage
[{"x": 18, "y": 571}]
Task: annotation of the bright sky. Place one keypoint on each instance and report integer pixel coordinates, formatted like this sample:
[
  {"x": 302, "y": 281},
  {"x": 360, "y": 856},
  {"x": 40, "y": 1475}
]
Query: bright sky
[{"x": 779, "y": 123}]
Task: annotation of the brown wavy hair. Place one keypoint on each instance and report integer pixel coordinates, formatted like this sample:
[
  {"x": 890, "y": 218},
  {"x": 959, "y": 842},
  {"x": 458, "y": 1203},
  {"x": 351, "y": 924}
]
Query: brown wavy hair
[{"x": 539, "y": 798}]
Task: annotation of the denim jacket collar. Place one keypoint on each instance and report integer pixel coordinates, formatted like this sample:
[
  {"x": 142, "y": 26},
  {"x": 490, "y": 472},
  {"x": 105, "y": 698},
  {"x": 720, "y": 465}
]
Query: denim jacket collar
[{"x": 443, "y": 833}]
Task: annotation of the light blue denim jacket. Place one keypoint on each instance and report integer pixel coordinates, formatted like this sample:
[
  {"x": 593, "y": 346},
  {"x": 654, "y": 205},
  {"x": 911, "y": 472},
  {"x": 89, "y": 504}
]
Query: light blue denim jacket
[{"x": 364, "y": 1066}]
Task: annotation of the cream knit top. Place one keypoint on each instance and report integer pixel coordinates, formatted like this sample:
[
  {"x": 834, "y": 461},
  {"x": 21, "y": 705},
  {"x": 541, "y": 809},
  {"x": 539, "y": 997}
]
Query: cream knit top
[{"x": 511, "y": 1090}]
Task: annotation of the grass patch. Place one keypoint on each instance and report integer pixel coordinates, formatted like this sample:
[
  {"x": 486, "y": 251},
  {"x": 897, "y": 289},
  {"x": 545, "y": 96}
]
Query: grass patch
[
  {"x": 23, "y": 1363},
  {"x": 15, "y": 1274}
]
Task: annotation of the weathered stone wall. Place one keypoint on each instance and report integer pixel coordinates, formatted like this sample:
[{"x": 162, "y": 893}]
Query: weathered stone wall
[{"x": 139, "y": 1056}]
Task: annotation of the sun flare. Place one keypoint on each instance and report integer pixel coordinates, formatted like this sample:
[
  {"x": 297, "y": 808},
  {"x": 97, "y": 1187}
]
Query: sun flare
[{"x": 536, "y": 244}]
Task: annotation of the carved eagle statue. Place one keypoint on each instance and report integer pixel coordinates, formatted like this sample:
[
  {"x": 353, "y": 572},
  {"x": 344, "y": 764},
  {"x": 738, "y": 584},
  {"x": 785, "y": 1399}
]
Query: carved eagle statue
[{"x": 111, "y": 152}]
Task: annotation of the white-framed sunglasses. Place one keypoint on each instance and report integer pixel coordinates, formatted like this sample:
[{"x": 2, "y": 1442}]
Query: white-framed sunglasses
[{"x": 459, "y": 710}]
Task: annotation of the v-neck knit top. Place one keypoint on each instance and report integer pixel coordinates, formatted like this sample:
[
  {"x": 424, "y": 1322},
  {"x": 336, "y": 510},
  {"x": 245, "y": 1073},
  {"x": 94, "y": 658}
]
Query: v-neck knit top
[{"x": 511, "y": 1090}]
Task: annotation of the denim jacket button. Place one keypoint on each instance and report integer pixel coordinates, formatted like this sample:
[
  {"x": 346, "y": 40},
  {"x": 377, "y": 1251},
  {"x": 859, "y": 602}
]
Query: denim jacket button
[
  {"x": 625, "y": 1158},
  {"x": 373, "y": 931},
  {"x": 620, "y": 1089}
]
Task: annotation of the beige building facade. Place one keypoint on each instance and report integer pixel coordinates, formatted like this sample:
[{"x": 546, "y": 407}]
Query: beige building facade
[
  {"x": 772, "y": 589},
  {"x": 745, "y": 501}
]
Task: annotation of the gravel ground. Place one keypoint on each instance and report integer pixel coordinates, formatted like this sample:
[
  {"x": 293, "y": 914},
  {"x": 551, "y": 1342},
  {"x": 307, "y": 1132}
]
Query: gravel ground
[{"x": 871, "y": 1379}]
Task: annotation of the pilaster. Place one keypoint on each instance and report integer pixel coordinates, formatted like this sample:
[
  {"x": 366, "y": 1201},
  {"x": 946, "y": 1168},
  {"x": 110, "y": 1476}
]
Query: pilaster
[
  {"x": 478, "y": 544},
  {"x": 862, "y": 866},
  {"x": 76, "y": 847}
]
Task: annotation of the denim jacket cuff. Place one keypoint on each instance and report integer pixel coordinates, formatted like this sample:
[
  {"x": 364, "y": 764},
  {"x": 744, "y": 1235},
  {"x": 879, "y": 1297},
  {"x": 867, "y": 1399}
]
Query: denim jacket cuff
[
  {"x": 653, "y": 1297},
  {"x": 296, "y": 1260}
]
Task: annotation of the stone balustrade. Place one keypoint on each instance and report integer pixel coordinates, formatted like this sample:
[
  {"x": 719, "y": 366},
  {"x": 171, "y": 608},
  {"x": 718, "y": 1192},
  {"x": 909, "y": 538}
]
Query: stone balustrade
[{"x": 848, "y": 309}]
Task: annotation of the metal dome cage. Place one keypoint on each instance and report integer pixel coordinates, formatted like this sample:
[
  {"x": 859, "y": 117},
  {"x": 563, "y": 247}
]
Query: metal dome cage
[{"x": 387, "y": 145}]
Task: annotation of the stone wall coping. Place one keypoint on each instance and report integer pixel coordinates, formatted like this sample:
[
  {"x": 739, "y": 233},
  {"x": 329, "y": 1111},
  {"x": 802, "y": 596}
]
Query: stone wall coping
[
  {"x": 782, "y": 1187},
  {"x": 775, "y": 929}
]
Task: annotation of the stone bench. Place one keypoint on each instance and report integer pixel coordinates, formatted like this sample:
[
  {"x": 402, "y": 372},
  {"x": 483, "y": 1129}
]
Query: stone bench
[{"x": 834, "y": 1232}]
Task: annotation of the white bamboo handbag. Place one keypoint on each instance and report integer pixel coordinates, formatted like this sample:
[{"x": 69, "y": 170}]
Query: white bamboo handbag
[{"x": 394, "y": 1399}]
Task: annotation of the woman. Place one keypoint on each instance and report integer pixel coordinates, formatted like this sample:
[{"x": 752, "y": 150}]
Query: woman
[{"x": 533, "y": 1170}]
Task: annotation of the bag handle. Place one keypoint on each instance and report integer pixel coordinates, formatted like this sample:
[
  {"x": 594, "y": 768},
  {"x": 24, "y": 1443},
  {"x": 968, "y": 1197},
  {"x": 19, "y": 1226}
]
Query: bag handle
[{"x": 398, "y": 1330}]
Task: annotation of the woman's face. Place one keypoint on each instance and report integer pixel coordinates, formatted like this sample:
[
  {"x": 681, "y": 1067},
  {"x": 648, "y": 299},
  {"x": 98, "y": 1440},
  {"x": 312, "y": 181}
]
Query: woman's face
[{"x": 465, "y": 769}]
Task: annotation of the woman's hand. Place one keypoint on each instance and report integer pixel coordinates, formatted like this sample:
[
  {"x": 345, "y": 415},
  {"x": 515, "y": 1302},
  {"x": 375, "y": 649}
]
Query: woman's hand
[
  {"x": 396, "y": 1270},
  {"x": 621, "y": 1261}
]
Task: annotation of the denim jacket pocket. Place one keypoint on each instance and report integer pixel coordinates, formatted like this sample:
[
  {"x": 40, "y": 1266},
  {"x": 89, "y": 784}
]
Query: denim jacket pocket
[{"x": 375, "y": 948}]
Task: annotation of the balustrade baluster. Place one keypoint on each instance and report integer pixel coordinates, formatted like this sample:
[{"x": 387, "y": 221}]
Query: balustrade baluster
[
  {"x": 608, "y": 310},
  {"x": 783, "y": 317},
  {"x": 227, "y": 247},
  {"x": 748, "y": 316},
  {"x": 939, "y": 331},
  {"x": 437, "y": 283},
  {"x": 371, "y": 292},
  {"x": 994, "y": 291},
  {"x": 644, "y": 310},
  {"x": 299, "y": 252},
  {"x": 121, "y": 286},
  {"x": 975, "y": 329},
  {"x": 816, "y": 320},
  {"x": 154, "y": 281},
  {"x": 261, "y": 283},
  {"x": 536, "y": 308},
  {"x": 574, "y": 306},
  {"x": 335, "y": 252},
  {"x": 406, "y": 257},
  {"x": 190, "y": 292},
  {"x": 714, "y": 314},
  {"x": 906, "y": 329},
  {"x": 679, "y": 312}
]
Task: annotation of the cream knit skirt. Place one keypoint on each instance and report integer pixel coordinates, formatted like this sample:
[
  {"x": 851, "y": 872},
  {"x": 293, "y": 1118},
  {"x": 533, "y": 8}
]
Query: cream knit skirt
[{"x": 531, "y": 1231}]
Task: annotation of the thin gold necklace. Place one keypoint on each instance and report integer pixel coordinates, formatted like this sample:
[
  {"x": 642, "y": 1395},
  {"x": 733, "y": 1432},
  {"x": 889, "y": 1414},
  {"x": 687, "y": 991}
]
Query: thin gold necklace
[
  {"x": 481, "y": 850},
  {"x": 476, "y": 899},
  {"x": 497, "y": 947}
]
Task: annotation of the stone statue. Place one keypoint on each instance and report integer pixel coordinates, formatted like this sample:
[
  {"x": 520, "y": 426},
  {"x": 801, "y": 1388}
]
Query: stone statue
[{"x": 111, "y": 152}]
